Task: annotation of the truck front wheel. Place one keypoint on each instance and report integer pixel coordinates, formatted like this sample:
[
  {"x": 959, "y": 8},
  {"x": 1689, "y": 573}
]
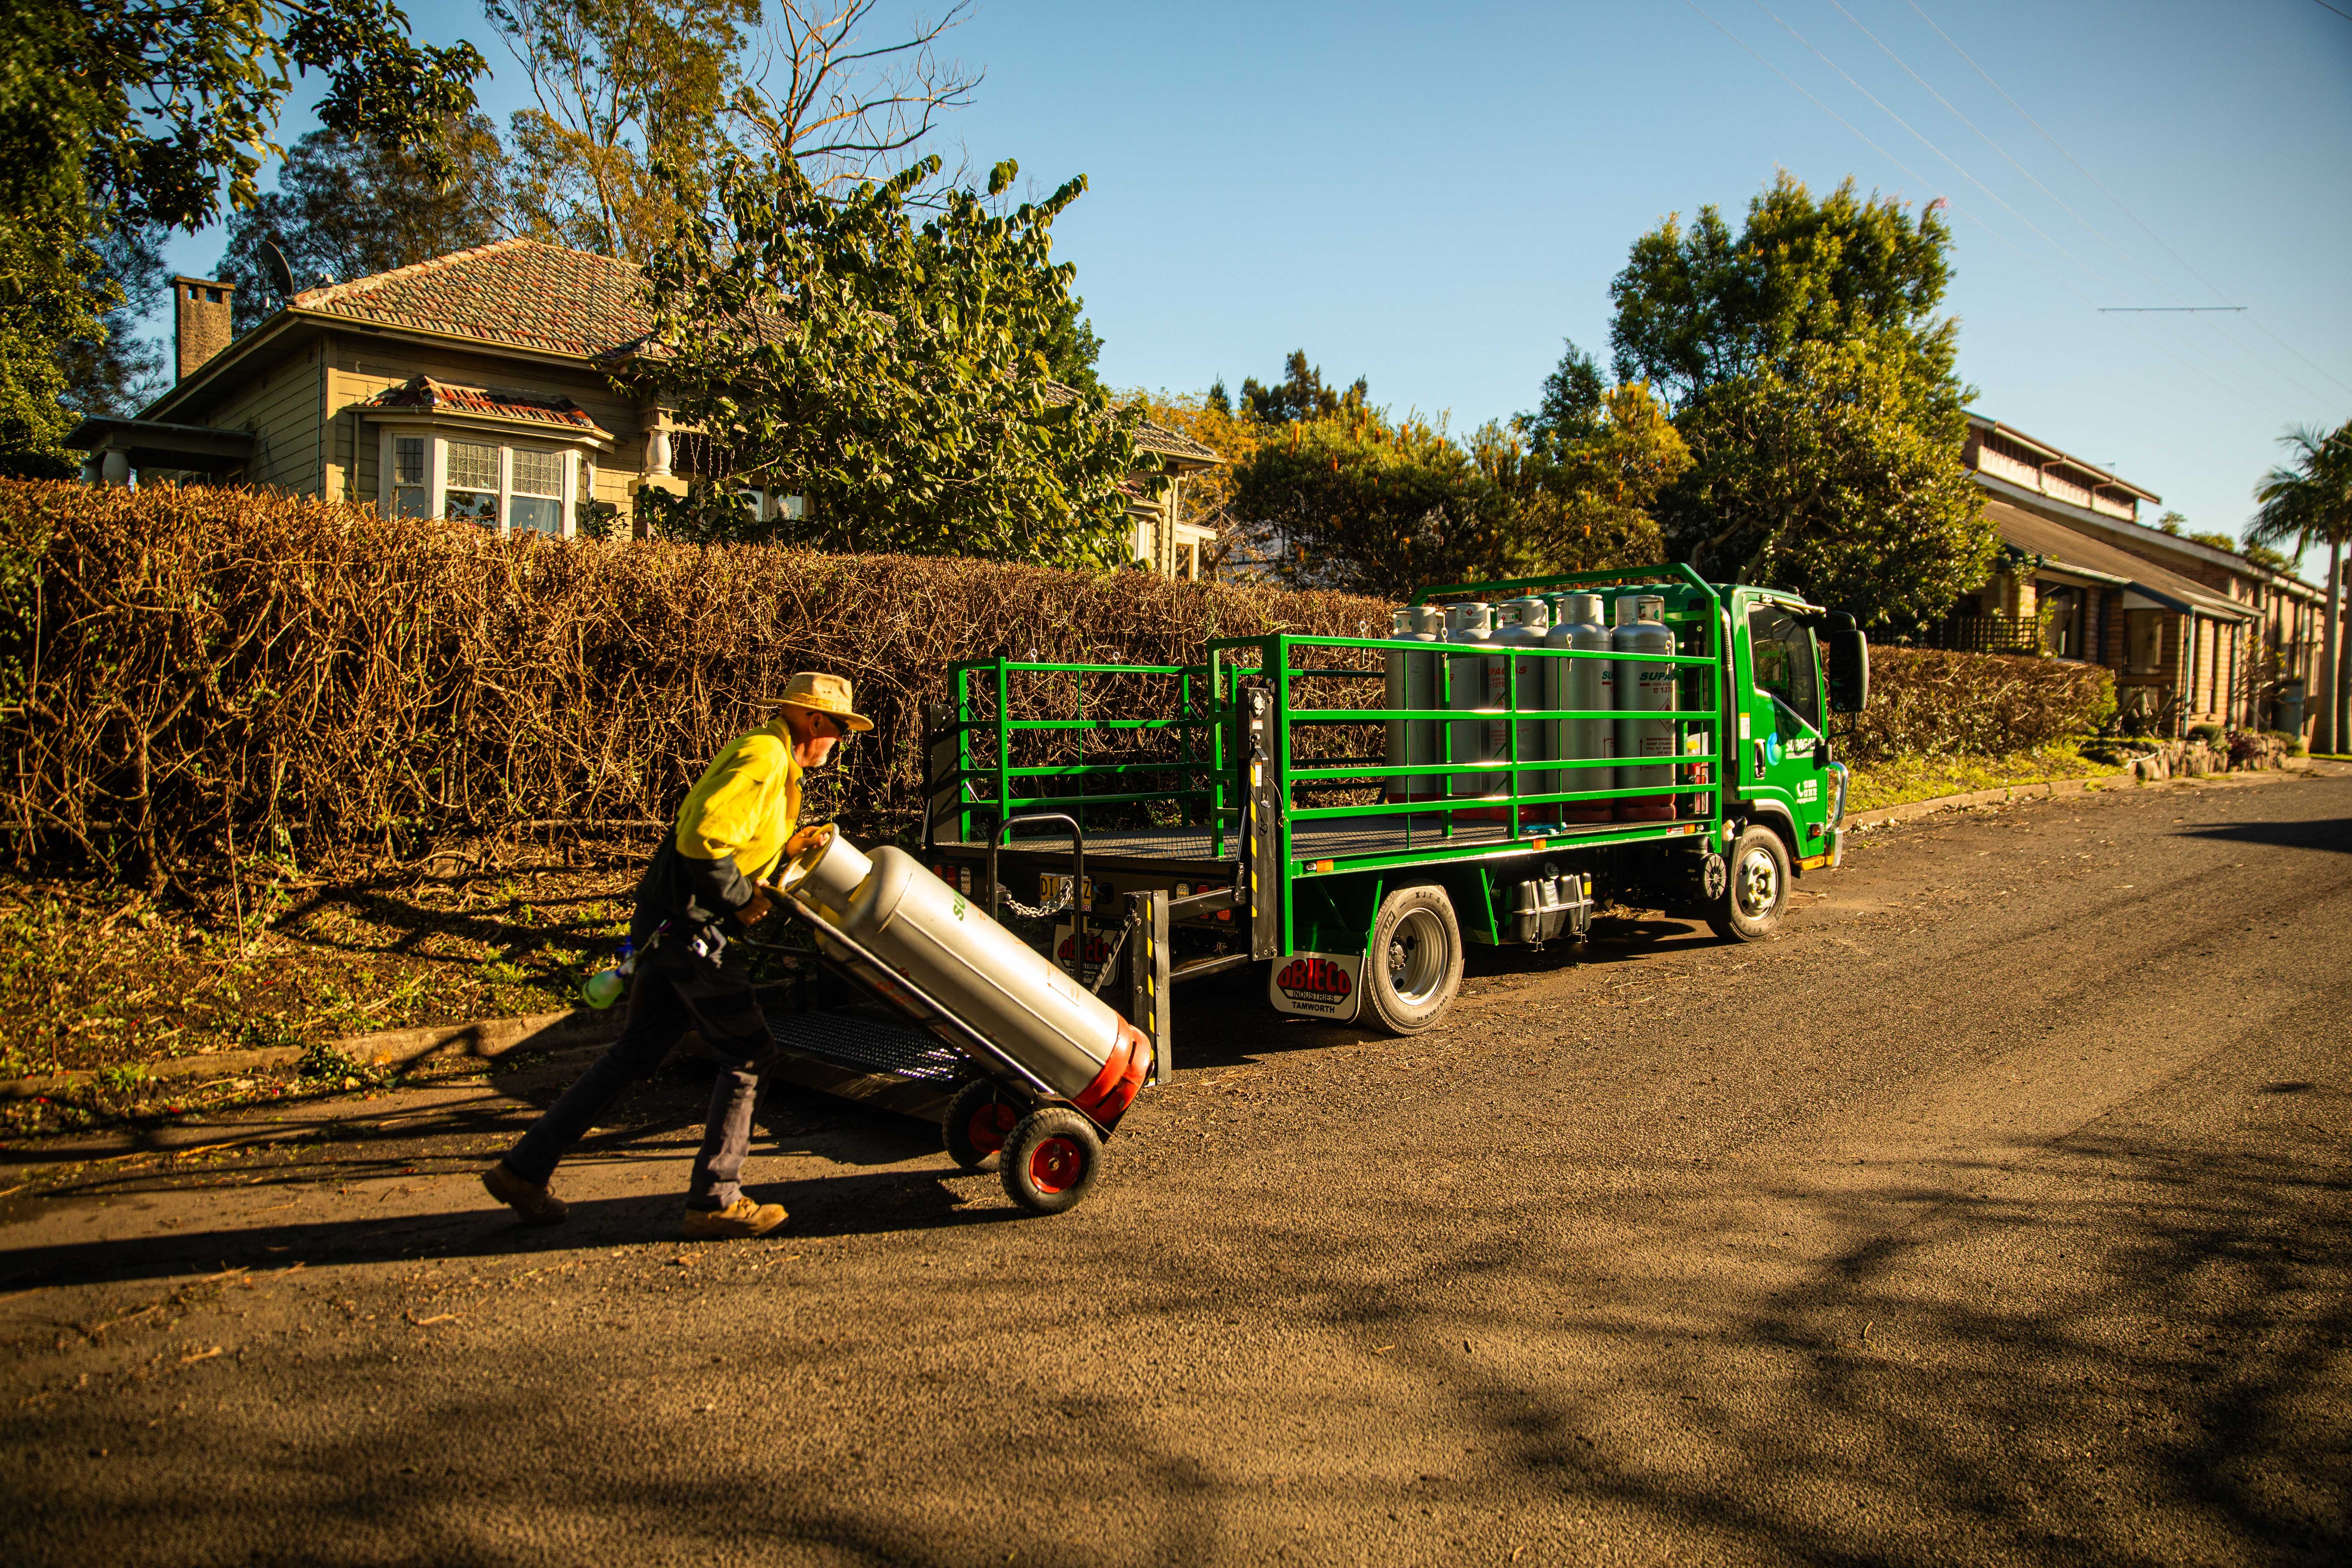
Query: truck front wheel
[
  {"x": 1749, "y": 910},
  {"x": 1412, "y": 967}
]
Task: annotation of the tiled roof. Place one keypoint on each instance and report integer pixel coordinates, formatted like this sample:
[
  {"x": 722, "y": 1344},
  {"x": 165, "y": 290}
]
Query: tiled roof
[
  {"x": 528, "y": 295},
  {"x": 1150, "y": 437},
  {"x": 518, "y": 292},
  {"x": 424, "y": 392}
]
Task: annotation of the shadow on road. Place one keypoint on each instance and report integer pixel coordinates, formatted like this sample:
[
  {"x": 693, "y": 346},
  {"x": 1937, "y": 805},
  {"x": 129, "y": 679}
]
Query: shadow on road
[{"x": 2335, "y": 833}]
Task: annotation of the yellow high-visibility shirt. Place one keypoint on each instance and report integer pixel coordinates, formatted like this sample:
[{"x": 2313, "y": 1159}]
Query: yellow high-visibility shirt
[{"x": 746, "y": 803}]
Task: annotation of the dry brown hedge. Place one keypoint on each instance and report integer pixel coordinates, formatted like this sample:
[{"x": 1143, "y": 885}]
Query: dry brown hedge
[
  {"x": 203, "y": 667},
  {"x": 1923, "y": 702},
  {"x": 203, "y": 664}
]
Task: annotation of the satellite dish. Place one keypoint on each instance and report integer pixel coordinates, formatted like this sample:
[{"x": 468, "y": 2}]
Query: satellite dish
[{"x": 282, "y": 276}]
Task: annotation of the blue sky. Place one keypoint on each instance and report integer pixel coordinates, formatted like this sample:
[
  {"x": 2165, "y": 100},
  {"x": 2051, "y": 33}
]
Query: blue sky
[{"x": 1434, "y": 198}]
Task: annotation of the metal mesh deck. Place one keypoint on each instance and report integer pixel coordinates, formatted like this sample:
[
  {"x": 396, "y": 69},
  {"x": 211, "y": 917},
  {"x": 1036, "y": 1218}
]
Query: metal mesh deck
[{"x": 867, "y": 1046}]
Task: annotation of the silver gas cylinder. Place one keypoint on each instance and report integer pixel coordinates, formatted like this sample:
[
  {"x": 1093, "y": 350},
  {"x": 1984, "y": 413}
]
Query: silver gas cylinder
[
  {"x": 1412, "y": 683},
  {"x": 1589, "y": 684},
  {"x": 1467, "y": 676},
  {"x": 1527, "y": 621},
  {"x": 1029, "y": 1008},
  {"x": 1644, "y": 688}
]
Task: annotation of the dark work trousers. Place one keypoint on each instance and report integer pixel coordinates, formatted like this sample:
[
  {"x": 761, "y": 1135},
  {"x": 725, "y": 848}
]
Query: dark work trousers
[{"x": 672, "y": 991}]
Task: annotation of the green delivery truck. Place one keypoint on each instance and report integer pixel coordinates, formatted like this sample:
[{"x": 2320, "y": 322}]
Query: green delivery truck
[{"x": 1349, "y": 813}]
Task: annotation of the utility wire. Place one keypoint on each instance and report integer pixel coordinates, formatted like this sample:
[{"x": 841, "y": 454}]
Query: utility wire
[
  {"x": 2094, "y": 273},
  {"x": 2266, "y": 406},
  {"x": 2111, "y": 196}
]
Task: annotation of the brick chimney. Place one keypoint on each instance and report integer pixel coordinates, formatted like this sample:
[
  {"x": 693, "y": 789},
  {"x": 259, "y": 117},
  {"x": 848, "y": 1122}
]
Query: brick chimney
[{"x": 200, "y": 313}]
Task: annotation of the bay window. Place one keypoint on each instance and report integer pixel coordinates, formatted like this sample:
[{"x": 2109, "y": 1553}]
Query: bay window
[{"x": 469, "y": 474}]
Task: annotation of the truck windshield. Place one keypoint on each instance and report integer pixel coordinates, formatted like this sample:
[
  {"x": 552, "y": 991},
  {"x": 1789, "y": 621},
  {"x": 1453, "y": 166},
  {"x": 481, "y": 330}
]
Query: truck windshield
[{"x": 1787, "y": 668}]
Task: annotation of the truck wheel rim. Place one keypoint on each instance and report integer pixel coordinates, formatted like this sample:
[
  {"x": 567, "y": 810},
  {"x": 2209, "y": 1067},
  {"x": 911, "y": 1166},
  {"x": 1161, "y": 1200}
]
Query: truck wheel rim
[
  {"x": 1758, "y": 884},
  {"x": 1055, "y": 1165},
  {"x": 1416, "y": 958}
]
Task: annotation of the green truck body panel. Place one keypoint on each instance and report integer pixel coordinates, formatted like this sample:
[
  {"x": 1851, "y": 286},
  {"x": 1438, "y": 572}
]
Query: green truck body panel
[{"x": 1749, "y": 728}]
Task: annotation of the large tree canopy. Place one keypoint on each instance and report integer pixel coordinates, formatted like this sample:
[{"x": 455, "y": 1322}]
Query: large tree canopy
[
  {"x": 1814, "y": 382},
  {"x": 1834, "y": 473},
  {"x": 889, "y": 374},
  {"x": 1698, "y": 307}
]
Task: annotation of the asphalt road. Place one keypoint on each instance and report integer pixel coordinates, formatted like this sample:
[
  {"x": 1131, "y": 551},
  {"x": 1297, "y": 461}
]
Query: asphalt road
[{"x": 1996, "y": 1213}]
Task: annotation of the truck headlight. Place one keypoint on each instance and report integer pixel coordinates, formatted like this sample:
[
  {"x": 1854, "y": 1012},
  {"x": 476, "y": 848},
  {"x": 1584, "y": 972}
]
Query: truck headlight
[{"x": 1837, "y": 793}]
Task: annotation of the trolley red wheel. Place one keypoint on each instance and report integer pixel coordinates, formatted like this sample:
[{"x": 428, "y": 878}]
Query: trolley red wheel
[
  {"x": 1051, "y": 1160},
  {"x": 977, "y": 1121}
]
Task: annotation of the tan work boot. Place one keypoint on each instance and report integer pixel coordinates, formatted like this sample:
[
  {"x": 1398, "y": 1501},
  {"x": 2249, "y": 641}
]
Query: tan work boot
[
  {"x": 535, "y": 1202},
  {"x": 741, "y": 1218}
]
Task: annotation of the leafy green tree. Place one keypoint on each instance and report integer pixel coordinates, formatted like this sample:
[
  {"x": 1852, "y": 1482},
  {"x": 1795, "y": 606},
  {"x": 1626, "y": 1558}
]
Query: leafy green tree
[
  {"x": 1574, "y": 403},
  {"x": 830, "y": 348},
  {"x": 1587, "y": 502},
  {"x": 623, "y": 124},
  {"x": 1300, "y": 394},
  {"x": 116, "y": 371},
  {"x": 346, "y": 207},
  {"x": 125, "y": 116},
  {"x": 146, "y": 108},
  {"x": 1835, "y": 473},
  {"x": 1813, "y": 380},
  {"x": 1350, "y": 501},
  {"x": 2308, "y": 500},
  {"x": 1700, "y": 307}
]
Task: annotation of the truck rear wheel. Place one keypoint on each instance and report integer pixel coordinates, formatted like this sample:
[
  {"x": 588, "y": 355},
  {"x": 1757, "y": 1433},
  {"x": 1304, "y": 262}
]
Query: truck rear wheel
[
  {"x": 1412, "y": 967},
  {"x": 976, "y": 1123},
  {"x": 1749, "y": 910},
  {"x": 1051, "y": 1160}
]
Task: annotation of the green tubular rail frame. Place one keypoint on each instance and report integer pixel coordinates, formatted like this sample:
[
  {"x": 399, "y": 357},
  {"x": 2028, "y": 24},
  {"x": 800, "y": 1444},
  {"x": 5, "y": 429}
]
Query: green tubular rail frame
[
  {"x": 1216, "y": 790},
  {"x": 1005, "y": 785}
]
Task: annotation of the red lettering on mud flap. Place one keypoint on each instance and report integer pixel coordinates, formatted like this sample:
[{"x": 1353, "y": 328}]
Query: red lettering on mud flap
[{"x": 1318, "y": 986}]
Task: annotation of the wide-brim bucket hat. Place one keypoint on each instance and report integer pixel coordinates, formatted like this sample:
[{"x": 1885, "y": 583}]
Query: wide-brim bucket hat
[{"x": 821, "y": 693}]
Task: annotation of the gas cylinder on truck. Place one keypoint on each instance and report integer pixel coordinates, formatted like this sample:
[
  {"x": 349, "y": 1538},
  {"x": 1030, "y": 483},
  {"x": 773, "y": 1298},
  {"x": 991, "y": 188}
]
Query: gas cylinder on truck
[
  {"x": 1029, "y": 1008},
  {"x": 1525, "y": 623},
  {"x": 1472, "y": 627},
  {"x": 1589, "y": 684},
  {"x": 1644, "y": 688},
  {"x": 1412, "y": 683}
]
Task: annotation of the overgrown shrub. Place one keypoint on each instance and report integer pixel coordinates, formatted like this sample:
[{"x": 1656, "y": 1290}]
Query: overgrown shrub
[
  {"x": 203, "y": 665},
  {"x": 1923, "y": 702}
]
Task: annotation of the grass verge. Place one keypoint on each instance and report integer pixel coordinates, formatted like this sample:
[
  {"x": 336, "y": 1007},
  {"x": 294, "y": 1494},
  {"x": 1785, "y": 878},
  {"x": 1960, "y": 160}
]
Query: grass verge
[{"x": 1906, "y": 779}]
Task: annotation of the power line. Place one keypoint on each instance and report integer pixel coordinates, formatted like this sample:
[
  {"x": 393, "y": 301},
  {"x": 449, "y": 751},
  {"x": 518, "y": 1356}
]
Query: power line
[
  {"x": 2267, "y": 405},
  {"x": 2161, "y": 309},
  {"x": 2029, "y": 222},
  {"x": 2324, "y": 6},
  {"x": 2121, "y": 206}
]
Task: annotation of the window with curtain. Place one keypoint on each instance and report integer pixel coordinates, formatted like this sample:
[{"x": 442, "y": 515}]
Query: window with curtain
[{"x": 535, "y": 498}]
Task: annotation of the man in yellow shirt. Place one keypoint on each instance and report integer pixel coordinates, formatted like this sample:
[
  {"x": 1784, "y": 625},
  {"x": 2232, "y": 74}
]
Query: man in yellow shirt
[{"x": 739, "y": 823}]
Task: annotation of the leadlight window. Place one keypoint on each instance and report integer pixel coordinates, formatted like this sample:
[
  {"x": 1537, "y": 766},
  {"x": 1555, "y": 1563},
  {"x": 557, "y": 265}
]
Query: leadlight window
[
  {"x": 536, "y": 491},
  {"x": 471, "y": 491}
]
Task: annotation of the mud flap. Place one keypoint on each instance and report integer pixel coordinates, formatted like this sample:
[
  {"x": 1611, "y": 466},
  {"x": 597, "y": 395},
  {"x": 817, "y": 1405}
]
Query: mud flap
[{"x": 1318, "y": 986}]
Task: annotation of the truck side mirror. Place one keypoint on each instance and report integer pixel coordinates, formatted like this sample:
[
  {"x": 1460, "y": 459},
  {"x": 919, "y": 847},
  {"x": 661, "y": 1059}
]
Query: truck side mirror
[{"x": 1847, "y": 653}]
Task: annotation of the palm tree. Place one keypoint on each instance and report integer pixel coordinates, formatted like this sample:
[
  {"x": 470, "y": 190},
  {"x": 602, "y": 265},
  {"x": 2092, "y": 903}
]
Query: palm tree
[{"x": 2309, "y": 501}]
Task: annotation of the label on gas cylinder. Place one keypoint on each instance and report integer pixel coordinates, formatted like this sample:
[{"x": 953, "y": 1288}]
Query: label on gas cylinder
[{"x": 1318, "y": 986}]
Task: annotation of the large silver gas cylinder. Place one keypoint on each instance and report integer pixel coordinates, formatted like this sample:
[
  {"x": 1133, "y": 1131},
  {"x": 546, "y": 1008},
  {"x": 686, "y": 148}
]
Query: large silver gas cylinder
[
  {"x": 1644, "y": 688},
  {"x": 1589, "y": 684},
  {"x": 1469, "y": 676},
  {"x": 1523, "y": 622},
  {"x": 1033, "y": 1011},
  {"x": 1412, "y": 683}
]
